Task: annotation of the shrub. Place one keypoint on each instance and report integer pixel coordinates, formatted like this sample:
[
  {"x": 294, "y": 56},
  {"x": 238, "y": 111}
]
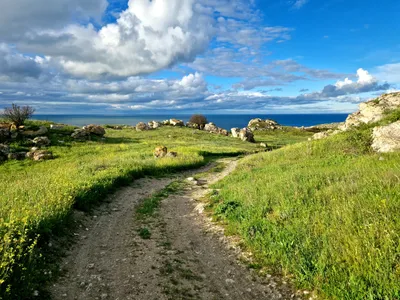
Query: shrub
[
  {"x": 18, "y": 114},
  {"x": 199, "y": 119}
]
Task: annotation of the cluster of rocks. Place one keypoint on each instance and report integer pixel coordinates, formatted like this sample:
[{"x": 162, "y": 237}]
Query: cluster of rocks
[
  {"x": 85, "y": 133},
  {"x": 212, "y": 128},
  {"x": 162, "y": 151},
  {"x": 245, "y": 134},
  {"x": 384, "y": 138},
  {"x": 259, "y": 124}
]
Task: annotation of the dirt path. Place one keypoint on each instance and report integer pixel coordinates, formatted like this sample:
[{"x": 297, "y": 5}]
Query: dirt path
[{"x": 186, "y": 256}]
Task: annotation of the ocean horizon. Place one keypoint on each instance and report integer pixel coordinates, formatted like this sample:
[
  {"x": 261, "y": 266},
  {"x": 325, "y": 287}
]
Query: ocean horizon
[{"x": 221, "y": 120}]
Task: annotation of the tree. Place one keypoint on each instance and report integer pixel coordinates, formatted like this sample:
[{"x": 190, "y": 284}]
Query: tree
[
  {"x": 199, "y": 120},
  {"x": 18, "y": 114}
]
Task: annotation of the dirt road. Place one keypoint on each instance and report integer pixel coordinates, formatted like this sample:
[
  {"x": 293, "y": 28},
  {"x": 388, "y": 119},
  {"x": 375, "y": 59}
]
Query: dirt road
[{"x": 176, "y": 254}]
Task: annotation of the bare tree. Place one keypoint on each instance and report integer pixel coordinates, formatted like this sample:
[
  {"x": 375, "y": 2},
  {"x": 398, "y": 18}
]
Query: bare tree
[
  {"x": 199, "y": 119},
  {"x": 18, "y": 114}
]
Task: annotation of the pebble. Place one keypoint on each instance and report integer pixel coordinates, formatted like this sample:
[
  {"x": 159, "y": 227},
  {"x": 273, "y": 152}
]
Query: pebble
[
  {"x": 90, "y": 266},
  {"x": 230, "y": 281}
]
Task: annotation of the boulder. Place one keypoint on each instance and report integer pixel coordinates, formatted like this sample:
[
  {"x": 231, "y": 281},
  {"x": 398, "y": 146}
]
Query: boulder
[
  {"x": 57, "y": 127},
  {"x": 254, "y": 121},
  {"x": 264, "y": 145},
  {"x": 246, "y": 135},
  {"x": 154, "y": 124},
  {"x": 211, "y": 127},
  {"x": 372, "y": 111},
  {"x": 172, "y": 154},
  {"x": 40, "y": 132},
  {"x": 175, "y": 122},
  {"x": 39, "y": 155},
  {"x": 17, "y": 155},
  {"x": 223, "y": 132},
  {"x": 41, "y": 141},
  {"x": 193, "y": 125},
  {"x": 235, "y": 132},
  {"x": 160, "y": 151},
  {"x": 5, "y": 132},
  {"x": 386, "y": 138},
  {"x": 142, "y": 126},
  {"x": 95, "y": 129},
  {"x": 268, "y": 124},
  {"x": 166, "y": 122},
  {"x": 81, "y": 134},
  {"x": 4, "y": 151}
]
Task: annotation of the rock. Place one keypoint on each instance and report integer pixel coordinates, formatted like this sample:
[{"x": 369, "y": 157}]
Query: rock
[
  {"x": 193, "y": 125},
  {"x": 17, "y": 155},
  {"x": 223, "y": 132},
  {"x": 40, "y": 132},
  {"x": 166, "y": 122},
  {"x": 4, "y": 151},
  {"x": 57, "y": 127},
  {"x": 268, "y": 124},
  {"x": 320, "y": 135},
  {"x": 211, "y": 127},
  {"x": 5, "y": 132},
  {"x": 160, "y": 151},
  {"x": 41, "y": 141},
  {"x": 175, "y": 122},
  {"x": 246, "y": 135},
  {"x": 172, "y": 154},
  {"x": 80, "y": 134},
  {"x": 372, "y": 111},
  {"x": 142, "y": 126},
  {"x": 235, "y": 132},
  {"x": 154, "y": 124},
  {"x": 264, "y": 145},
  {"x": 95, "y": 129},
  {"x": 39, "y": 155},
  {"x": 386, "y": 138},
  {"x": 254, "y": 121}
]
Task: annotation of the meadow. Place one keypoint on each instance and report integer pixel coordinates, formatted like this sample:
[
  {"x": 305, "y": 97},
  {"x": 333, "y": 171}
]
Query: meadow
[
  {"x": 37, "y": 198},
  {"x": 324, "y": 213}
]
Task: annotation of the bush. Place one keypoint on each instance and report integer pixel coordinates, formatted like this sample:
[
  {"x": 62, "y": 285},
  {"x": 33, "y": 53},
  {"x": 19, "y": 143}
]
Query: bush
[
  {"x": 199, "y": 119},
  {"x": 17, "y": 114}
]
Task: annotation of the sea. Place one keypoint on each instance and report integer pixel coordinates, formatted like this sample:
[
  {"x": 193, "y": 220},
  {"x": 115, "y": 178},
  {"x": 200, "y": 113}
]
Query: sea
[{"x": 224, "y": 121}]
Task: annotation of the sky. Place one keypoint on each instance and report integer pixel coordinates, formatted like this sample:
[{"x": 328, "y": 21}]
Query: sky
[{"x": 197, "y": 56}]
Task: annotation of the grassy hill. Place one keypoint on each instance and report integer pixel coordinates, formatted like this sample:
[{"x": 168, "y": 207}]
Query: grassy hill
[
  {"x": 324, "y": 212},
  {"x": 36, "y": 198}
]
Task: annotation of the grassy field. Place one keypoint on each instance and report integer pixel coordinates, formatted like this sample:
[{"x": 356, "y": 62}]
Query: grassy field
[
  {"x": 324, "y": 212},
  {"x": 36, "y": 198}
]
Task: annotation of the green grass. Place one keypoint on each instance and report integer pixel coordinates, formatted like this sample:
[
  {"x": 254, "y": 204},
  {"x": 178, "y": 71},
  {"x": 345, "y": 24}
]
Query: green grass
[
  {"x": 281, "y": 137},
  {"x": 326, "y": 212},
  {"x": 36, "y": 198}
]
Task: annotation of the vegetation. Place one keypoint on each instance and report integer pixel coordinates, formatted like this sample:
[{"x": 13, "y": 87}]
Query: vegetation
[
  {"x": 17, "y": 114},
  {"x": 325, "y": 211},
  {"x": 199, "y": 120}
]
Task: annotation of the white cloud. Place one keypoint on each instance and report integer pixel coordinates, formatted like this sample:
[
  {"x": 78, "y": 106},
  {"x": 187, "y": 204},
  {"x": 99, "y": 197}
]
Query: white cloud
[
  {"x": 389, "y": 73},
  {"x": 299, "y": 3}
]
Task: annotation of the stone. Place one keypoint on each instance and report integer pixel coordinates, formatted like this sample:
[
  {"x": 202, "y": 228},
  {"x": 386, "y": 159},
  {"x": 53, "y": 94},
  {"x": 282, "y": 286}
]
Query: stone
[
  {"x": 5, "y": 132},
  {"x": 166, "y": 122},
  {"x": 40, "y": 132},
  {"x": 172, "y": 154},
  {"x": 4, "y": 151},
  {"x": 386, "y": 138},
  {"x": 95, "y": 129},
  {"x": 372, "y": 111},
  {"x": 40, "y": 155},
  {"x": 41, "y": 141},
  {"x": 246, "y": 135},
  {"x": 254, "y": 121},
  {"x": 142, "y": 126},
  {"x": 223, "y": 132},
  {"x": 193, "y": 125},
  {"x": 211, "y": 127},
  {"x": 57, "y": 127},
  {"x": 80, "y": 134},
  {"x": 320, "y": 135},
  {"x": 154, "y": 124},
  {"x": 264, "y": 145},
  {"x": 175, "y": 122},
  {"x": 160, "y": 151},
  {"x": 235, "y": 132},
  {"x": 259, "y": 124}
]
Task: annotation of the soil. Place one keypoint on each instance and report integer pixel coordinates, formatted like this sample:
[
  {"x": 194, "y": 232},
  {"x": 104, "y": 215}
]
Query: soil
[{"x": 178, "y": 253}]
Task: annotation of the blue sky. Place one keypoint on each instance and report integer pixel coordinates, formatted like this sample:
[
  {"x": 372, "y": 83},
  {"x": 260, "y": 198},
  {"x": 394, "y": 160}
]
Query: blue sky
[{"x": 204, "y": 56}]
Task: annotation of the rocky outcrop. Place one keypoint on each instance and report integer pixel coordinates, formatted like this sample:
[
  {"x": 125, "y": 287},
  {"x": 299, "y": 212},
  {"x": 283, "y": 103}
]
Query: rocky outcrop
[
  {"x": 80, "y": 135},
  {"x": 95, "y": 130},
  {"x": 259, "y": 124},
  {"x": 386, "y": 138},
  {"x": 175, "y": 122},
  {"x": 235, "y": 132},
  {"x": 142, "y": 126},
  {"x": 41, "y": 141},
  {"x": 372, "y": 111},
  {"x": 5, "y": 132},
  {"x": 246, "y": 135},
  {"x": 154, "y": 124},
  {"x": 212, "y": 128}
]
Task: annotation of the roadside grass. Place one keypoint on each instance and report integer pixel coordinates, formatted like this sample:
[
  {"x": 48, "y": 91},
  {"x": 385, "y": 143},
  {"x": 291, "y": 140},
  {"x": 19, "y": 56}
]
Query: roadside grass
[
  {"x": 36, "y": 198},
  {"x": 326, "y": 212}
]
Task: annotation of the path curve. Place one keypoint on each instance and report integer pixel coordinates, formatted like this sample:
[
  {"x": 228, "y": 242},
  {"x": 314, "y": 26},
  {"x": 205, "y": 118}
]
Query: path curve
[{"x": 186, "y": 257}]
